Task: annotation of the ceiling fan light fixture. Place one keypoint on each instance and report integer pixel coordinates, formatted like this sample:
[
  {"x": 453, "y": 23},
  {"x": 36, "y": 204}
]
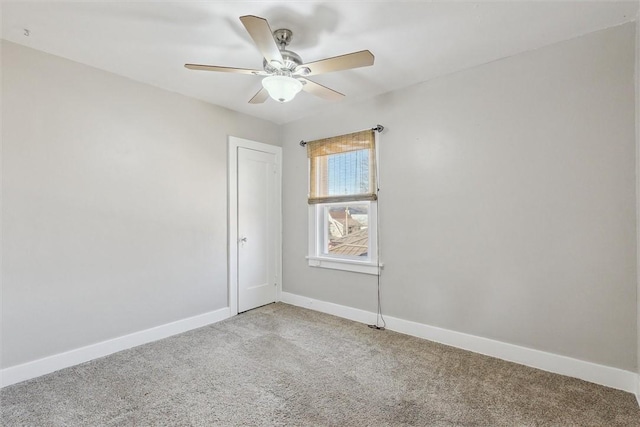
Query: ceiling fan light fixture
[
  {"x": 282, "y": 88},
  {"x": 284, "y": 71}
]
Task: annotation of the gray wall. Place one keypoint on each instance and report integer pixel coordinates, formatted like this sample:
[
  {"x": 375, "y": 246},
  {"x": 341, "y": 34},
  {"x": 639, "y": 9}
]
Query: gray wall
[
  {"x": 114, "y": 204},
  {"x": 507, "y": 204}
]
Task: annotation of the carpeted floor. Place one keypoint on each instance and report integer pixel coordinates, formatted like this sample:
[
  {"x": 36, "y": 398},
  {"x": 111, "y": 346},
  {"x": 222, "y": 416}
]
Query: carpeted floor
[{"x": 283, "y": 365}]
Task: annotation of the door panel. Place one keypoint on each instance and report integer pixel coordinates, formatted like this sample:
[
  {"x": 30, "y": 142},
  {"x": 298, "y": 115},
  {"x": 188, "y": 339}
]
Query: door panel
[{"x": 257, "y": 228}]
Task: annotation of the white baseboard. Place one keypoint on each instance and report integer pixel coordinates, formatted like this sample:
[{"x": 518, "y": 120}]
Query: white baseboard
[
  {"x": 25, "y": 371},
  {"x": 592, "y": 372}
]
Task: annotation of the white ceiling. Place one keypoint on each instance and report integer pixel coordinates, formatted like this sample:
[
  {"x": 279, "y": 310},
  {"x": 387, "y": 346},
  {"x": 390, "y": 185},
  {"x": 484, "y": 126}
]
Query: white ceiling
[{"x": 412, "y": 41}]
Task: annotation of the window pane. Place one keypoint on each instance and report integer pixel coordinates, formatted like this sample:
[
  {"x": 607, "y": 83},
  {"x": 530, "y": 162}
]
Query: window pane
[
  {"x": 348, "y": 173},
  {"x": 347, "y": 230}
]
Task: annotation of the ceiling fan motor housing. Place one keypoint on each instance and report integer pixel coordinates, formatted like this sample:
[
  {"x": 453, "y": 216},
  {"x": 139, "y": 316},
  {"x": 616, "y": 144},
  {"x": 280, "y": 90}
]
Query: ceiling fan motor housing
[{"x": 290, "y": 59}]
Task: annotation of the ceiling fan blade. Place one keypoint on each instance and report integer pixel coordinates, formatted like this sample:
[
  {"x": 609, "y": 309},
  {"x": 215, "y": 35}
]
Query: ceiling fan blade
[
  {"x": 225, "y": 69},
  {"x": 320, "y": 91},
  {"x": 364, "y": 58},
  {"x": 259, "y": 97},
  {"x": 259, "y": 30}
]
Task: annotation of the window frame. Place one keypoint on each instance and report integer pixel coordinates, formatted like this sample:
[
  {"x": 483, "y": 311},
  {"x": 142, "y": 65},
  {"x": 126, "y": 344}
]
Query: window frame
[
  {"x": 318, "y": 237},
  {"x": 318, "y": 234}
]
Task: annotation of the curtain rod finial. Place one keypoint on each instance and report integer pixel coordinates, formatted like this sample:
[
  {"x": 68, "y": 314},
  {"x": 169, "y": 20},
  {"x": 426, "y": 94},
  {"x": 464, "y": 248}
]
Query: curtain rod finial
[
  {"x": 378, "y": 128},
  {"x": 303, "y": 143}
]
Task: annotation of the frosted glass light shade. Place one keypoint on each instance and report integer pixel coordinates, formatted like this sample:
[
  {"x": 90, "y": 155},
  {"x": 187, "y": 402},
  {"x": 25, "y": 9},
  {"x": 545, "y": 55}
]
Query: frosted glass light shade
[{"x": 281, "y": 88}]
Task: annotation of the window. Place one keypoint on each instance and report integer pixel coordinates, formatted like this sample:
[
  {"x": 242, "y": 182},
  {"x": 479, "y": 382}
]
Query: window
[{"x": 343, "y": 203}]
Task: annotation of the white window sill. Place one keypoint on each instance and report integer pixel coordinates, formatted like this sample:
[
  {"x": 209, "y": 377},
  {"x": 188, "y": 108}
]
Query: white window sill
[{"x": 344, "y": 264}]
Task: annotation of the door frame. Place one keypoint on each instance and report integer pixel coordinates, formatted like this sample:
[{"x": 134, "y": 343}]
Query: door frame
[{"x": 232, "y": 216}]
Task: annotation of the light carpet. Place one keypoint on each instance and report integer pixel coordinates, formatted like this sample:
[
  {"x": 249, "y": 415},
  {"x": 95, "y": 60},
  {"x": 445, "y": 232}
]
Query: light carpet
[{"x": 284, "y": 365}]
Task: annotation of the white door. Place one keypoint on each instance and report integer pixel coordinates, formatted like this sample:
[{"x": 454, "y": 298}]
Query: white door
[{"x": 258, "y": 228}]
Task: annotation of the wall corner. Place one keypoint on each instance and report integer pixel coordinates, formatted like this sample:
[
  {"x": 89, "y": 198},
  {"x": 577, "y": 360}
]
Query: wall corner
[{"x": 637, "y": 86}]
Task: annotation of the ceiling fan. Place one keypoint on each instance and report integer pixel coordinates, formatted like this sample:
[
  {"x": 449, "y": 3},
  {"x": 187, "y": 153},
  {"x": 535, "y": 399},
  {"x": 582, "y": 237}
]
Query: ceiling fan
[{"x": 283, "y": 70}]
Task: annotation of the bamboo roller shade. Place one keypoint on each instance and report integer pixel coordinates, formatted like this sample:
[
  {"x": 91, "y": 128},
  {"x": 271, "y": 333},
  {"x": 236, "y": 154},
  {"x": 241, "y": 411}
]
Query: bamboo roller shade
[{"x": 318, "y": 152}]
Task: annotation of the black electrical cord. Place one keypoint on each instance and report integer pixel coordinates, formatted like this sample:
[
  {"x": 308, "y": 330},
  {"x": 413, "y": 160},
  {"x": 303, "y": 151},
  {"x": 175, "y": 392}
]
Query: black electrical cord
[{"x": 379, "y": 316}]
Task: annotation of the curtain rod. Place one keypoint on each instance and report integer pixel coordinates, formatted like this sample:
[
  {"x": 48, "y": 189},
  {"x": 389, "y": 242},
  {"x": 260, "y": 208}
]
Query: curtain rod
[{"x": 378, "y": 128}]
